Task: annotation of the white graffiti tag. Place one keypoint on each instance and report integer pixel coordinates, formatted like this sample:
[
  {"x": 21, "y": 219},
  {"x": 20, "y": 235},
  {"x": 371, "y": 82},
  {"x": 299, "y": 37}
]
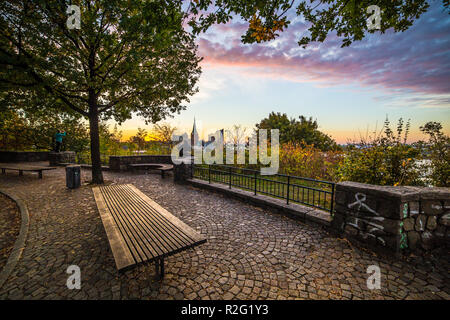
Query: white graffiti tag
[
  {"x": 376, "y": 221},
  {"x": 360, "y": 199}
]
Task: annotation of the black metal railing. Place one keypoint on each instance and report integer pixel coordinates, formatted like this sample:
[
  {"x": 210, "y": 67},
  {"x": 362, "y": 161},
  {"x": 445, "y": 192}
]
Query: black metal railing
[{"x": 315, "y": 193}]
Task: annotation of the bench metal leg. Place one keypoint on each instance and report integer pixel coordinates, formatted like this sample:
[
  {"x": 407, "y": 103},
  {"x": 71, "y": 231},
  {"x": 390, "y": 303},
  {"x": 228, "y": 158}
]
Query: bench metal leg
[
  {"x": 159, "y": 268},
  {"x": 162, "y": 174},
  {"x": 40, "y": 174},
  {"x": 3, "y": 171},
  {"x": 20, "y": 173}
]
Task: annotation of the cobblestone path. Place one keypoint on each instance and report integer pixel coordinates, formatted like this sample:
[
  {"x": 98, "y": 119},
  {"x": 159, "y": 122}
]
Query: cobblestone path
[
  {"x": 9, "y": 227},
  {"x": 251, "y": 253}
]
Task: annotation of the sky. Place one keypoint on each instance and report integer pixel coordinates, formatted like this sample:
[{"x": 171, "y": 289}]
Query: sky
[{"x": 349, "y": 91}]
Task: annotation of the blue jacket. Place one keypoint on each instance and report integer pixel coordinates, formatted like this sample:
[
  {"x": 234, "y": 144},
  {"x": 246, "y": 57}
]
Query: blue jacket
[{"x": 59, "y": 136}]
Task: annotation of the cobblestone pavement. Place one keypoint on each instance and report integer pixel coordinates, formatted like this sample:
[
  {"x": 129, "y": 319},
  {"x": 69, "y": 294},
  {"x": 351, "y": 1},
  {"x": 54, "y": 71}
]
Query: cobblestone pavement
[
  {"x": 9, "y": 227},
  {"x": 251, "y": 253}
]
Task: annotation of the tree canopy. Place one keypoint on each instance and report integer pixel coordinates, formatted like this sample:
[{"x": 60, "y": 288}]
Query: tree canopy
[
  {"x": 347, "y": 18},
  {"x": 127, "y": 57},
  {"x": 438, "y": 151},
  {"x": 302, "y": 131}
]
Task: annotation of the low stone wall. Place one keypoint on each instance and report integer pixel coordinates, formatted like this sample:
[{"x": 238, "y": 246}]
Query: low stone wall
[
  {"x": 23, "y": 156},
  {"x": 58, "y": 158},
  {"x": 120, "y": 163},
  {"x": 396, "y": 219},
  {"x": 392, "y": 220}
]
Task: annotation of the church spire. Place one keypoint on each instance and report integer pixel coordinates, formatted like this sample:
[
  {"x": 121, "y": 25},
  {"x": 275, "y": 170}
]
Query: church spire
[
  {"x": 194, "y": 128},
  {"x": 194, "y": 134}
]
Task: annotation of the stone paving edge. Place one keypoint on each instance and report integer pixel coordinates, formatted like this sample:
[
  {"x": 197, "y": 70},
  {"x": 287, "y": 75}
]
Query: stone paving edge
[{"x": 19, "y": 245}]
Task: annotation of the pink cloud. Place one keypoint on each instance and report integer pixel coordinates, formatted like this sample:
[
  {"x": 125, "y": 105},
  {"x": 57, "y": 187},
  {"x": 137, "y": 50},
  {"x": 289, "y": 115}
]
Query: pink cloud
[{"x": 417, "y": 60}]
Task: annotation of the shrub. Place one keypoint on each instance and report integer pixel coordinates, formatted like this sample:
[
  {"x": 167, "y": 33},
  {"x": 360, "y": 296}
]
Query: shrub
[
  {"x": 309, "y": 162},
  {"x": 384, "y": 160}
]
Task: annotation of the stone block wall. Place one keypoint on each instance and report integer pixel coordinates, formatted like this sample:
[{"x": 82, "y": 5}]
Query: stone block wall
[
  {"x": 120, "y": 163},
  {"x": 57, "y": 158},
  {"x": 398, "y": 219},
  {"x": 23, "y": 156}
]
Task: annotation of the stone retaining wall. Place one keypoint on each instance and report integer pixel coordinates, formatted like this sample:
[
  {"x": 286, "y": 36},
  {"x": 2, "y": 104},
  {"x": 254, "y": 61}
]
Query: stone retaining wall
[
  {"x": 397, "y": 219},
  {"x": 23, "y": 156},
  {"x": 393, "y": 220},
  {"x": 64, "y": 157},
  {"x": 120, "y": 163}
]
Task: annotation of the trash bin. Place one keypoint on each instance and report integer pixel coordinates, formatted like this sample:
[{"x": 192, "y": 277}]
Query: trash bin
[{"x": 73, "y": 177}]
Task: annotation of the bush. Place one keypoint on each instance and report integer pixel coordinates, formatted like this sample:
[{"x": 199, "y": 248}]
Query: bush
[
  {"x": 309, "y": 162},
  {"x": 384, "y": 160}
]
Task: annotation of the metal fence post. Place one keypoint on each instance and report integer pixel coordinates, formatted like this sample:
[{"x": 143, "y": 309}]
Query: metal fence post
[
  {"x": 332, "y": 199},
  {"x": 288, "y": 185},
  {"x": 230, "y": 177},
  {"x": 209, "y": 173},
  {"x": 255, "y": 182}
]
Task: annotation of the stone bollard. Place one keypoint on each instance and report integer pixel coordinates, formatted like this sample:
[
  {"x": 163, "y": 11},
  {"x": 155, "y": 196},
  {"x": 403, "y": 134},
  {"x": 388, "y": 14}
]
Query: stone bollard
[
  {"x": 58, "y": 158},
  {"x": 183, "y": 171}
]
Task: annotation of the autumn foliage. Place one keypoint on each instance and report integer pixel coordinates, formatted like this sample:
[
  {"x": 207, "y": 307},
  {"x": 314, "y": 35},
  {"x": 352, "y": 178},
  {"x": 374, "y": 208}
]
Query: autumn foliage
[{"x": 309, "y": 162}]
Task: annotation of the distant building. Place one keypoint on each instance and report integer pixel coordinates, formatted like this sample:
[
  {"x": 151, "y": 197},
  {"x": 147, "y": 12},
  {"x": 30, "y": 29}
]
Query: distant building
[{"x": 195, "y": 137}]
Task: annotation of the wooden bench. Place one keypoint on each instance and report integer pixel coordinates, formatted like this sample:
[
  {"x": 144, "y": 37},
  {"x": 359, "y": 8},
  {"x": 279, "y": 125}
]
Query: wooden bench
[
  {"x": 22, "y": 168},
  {"x": 153, "y": 166},
  {"x": 139, "y": 230}
]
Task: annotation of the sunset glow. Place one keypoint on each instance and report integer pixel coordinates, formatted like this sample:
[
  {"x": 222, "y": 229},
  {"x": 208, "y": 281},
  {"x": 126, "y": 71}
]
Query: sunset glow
[{"x": 350, "y": 91}]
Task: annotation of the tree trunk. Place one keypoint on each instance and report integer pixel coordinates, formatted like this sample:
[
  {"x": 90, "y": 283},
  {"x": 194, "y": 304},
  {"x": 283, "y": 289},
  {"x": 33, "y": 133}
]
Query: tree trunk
[{"x": 97, "y": 176}]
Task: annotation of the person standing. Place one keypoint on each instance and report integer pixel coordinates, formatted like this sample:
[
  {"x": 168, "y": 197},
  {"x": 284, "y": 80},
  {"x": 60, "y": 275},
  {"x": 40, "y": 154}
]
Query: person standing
[{"x": 58, "y": 139}]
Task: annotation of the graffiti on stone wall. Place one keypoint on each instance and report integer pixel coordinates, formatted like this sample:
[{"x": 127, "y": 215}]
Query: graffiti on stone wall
[
  {"x": 374, "y": 224},
  {"x": 403, "y": 237}
]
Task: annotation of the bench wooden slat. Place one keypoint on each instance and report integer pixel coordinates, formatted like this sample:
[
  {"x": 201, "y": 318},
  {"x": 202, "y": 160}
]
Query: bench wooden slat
[
  {"x": 124, "y": 230},
  {"x": 194, "y": 235},
  {"x": 158, "y": 166},
  {"x": 172, "y": 230},
  {"x": 24, "y": 167},
  {"x": 152, "y": 229},
  {"x": 138, "y": 229},
  {"x": 162, "y": 167},
  {"x": 175, "y": 237},
  {"x": 147, "y": 231},
  {"x": 132, "y": 232},
  {"x": 162, "y": 237},
  {"x": 121, "y": 252},
  {"x": 121, "y": 225}
]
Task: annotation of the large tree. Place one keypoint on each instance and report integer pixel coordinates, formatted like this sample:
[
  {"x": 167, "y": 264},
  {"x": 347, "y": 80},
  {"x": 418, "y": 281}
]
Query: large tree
[
  {"x": 347, "y": 18},
  {"x": 303, "y": 131},
  {"x": 127, "y": 57},
  {"x": 163, "y": 132}
]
